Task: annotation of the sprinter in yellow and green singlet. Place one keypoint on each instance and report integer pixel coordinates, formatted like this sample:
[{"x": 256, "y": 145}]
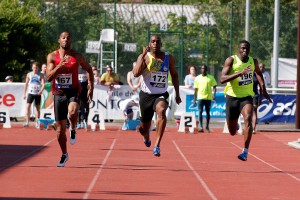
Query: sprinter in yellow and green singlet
[{"x": 238, "y": 74}]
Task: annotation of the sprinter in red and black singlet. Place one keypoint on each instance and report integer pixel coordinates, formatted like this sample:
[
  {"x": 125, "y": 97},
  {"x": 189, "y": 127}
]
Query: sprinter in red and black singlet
[
  {"x": 66, "y": 81},
  {"x": 62, "y": 70}
]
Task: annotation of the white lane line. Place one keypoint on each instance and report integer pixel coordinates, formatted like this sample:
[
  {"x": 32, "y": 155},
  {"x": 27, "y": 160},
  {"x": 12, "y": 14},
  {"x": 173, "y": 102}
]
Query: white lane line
[
  {"x": 269, "y": 164},
  {"x": 92, "y": 184},
  {"x": 27, "y": 155},
  {"x": 199, "y": 178}
]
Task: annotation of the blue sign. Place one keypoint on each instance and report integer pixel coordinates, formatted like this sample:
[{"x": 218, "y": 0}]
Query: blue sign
[
  {"x": 217, "y": 110},
  {"x": 282, "y": 109}
]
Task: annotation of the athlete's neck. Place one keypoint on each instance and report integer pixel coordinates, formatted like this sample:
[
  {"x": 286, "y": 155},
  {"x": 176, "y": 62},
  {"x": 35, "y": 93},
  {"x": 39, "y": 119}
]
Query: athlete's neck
[
  {"x": 157, "y": 54},
  {"x": 64, "y": 51},
  {"x": 244, "y": 59}
]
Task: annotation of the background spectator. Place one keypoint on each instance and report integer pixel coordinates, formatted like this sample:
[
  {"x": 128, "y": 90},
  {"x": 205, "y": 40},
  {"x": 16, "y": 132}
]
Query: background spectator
[
  {"x": 109, "y": 78},
  {"x": 189, "y": 79},
  {"x": 265, "y": 74},
  {"x": 204, "y": 93},
  {"x": 9, "y": 79},
  {"x": 43, "y": 71},
  {"x": 126, "y": 108},
  {"x": 96, "y": 75},
  {"x": 134, "y": 82}
]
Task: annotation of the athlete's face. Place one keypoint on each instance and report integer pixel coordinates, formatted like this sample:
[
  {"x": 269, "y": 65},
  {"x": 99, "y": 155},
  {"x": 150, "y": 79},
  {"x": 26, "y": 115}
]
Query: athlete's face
[
  {"x": 244, "y": 50},
  {"x": 35, "y": 69},
  {"x": 65, "y": 40},
  {"x": 155, "y": 43}
]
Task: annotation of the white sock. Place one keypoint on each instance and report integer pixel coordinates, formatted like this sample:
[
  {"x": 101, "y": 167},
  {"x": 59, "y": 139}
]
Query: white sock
[{"x": 245, "y": 150}]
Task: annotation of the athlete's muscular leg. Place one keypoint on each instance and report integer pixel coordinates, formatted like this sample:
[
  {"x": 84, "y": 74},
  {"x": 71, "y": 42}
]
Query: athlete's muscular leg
[
  {"x": 144, "y": 129},
  {"x": 61, "y": 135},
  {"x": 247, "y": 113},
  {"x": 73, "y": 113},
  {"x": 28, "y": 106},
  {"x": 37, "y": 112},
  {"x": 232, "y": 126},
  {"x": 161, "y": 108}
]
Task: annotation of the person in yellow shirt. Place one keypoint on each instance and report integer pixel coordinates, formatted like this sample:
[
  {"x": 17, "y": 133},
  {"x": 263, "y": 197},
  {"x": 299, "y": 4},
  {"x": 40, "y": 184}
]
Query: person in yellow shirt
[
  {"x": 204, "y": 91},
  {"x": 109, "y": 78},
  {"x": 238, "y": 74}
]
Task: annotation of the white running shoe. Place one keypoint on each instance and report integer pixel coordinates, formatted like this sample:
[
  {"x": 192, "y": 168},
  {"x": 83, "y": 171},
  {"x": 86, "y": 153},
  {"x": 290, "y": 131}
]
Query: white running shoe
[{"x": 64, "y": 158}]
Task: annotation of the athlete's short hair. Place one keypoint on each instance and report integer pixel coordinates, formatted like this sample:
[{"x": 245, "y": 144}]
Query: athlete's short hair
[{"x": 244, "y": 42}]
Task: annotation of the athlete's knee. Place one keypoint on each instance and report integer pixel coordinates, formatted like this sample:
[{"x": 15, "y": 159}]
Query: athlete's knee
[
  {"x": 61, "y": 136},
  {"x": 161, "y": 111}
]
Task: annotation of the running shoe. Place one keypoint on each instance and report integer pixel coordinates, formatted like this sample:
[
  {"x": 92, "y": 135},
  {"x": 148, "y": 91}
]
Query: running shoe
[
  {"x": 64, "y": 158},
  {"x": 147, "y": 142},
  {"x": 243, "y": 156},
  {"x": 200, "y": 130},
  {"x": 207, "y": 130},
  {"x": 156, "y": 151},
  {"x": 78, "y": 126},
  {"x": 26, "y": 125},
  {"x": 72, "y": 136},
  {"x": 37, "y": 126},
  {"x": 124, "y": 127}
]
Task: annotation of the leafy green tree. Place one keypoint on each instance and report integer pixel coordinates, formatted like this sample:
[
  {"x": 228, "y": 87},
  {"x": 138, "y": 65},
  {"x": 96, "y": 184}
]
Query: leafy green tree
[{"x": 20, "y": 37}]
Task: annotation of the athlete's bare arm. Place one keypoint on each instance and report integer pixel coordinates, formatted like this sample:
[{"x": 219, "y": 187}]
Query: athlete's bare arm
[
  {"x": 141, "y": 63},
  {"x": 26, "y": 85},
  {"x": 174, "y": 76},
  {"x": 225, "y": 77},
  {"x": 52, "y": 70}
]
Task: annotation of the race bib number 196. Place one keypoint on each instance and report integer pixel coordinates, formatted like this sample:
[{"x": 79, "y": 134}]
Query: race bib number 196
[{"x": 245, "y": 79}]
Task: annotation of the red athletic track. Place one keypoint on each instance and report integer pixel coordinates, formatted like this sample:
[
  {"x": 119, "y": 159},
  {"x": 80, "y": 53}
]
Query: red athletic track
[{"x": 115, "y": 164}]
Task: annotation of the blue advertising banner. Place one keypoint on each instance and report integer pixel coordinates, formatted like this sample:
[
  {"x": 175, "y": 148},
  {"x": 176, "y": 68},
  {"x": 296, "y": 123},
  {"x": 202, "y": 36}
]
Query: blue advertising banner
[
  {"x": 218, "y": 106},
  {"x": 282, "y": 109}
]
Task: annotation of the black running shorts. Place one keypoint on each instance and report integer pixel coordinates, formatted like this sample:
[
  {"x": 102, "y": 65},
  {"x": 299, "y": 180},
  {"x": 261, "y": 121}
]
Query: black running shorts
[
  {"x": 34, "y": 97},
  {"x": 61, "y": 103},
  {"x": 235, "y": 105},
  {"x": 256, "y": 99},
  {"x": 83, "y": 92},
  {"x": 148, "y": 104}
]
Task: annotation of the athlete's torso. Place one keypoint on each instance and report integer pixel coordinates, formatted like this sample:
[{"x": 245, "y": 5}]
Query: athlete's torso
[
  {"x": 34, "y": 83},
  {"x": 155, "y": 76},
  {"x": 67, "y": 79},
  {"x": 243, "y": 85}
]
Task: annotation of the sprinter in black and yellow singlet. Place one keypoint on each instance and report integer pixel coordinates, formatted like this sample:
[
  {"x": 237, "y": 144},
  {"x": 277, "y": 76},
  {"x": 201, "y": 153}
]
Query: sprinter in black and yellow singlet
[
  {"x": 155, "y": 66},
  {"x": 238, "y": 74}
]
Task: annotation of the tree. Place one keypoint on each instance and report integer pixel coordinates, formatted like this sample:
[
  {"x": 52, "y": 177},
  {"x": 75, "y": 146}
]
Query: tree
[{"x": 20, "y": 37}]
